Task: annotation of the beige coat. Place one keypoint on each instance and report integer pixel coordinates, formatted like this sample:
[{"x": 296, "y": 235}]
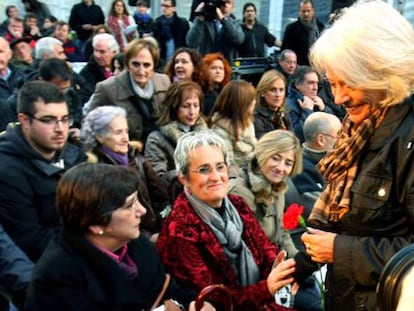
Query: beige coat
[
  {"x": 118, "y": 91},
  {"x": 267, "y": 204}
]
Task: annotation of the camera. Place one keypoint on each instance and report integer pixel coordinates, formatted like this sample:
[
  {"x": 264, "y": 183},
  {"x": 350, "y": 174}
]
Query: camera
[{"x": 209, "y": 9}]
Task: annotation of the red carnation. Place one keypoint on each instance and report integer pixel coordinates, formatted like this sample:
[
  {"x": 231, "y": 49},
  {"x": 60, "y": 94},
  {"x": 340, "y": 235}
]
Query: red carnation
[{"x": 293, "y": 216}]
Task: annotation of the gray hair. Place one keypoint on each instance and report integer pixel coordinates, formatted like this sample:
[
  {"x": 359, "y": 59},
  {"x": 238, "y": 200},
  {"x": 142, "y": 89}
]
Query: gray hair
[
  {"x": 318, "y": 122},
  {"x": 46, "y": 46},
  {"x": 109, "y": 39},
  {"x": 190, "y": 142},
  {"x": 97, "y": 122}
]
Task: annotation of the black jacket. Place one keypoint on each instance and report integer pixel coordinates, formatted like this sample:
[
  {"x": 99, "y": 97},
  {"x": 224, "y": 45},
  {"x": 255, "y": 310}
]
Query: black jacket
[
  {"x": 11, "y": 86},
  {"x": 178, "y": 30},
  {"x": 381, "y": 219},
  {"x": 255, "y": 40},
  {"x": 92, "y": 73},
  {"x": 82, "y": 14},
  {"x": 74, "y": 275},
  {"x": 296, "y": 39},
  {"x": 27, "y": 190}
]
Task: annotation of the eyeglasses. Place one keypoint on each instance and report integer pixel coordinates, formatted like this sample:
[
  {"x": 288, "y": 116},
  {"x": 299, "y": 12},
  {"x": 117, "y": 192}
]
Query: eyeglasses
[
  {"x": 53, "y": 121},
  {"x": 335, "y": 137},
  {"x": 166, "y": 5},
  {"x": 132, "y": 206},
  {"x": 207, "y": 169}
]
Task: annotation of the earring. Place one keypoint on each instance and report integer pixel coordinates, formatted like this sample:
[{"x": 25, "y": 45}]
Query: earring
[{"x": 100, "y": 232}]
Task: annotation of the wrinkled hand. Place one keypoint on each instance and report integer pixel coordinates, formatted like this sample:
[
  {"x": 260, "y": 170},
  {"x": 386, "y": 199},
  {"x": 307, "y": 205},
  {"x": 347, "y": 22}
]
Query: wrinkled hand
[
  {"x": 87, "y": 26},
  {"x": 319, "y": 245},
  {"x": 281, "y": 274},
  {"x": 206, "y": 306},
  {"x": 306, "y": 103}
]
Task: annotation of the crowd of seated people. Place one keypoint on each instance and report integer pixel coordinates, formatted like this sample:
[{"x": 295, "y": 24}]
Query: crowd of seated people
[{"x": 132, "y": 105}]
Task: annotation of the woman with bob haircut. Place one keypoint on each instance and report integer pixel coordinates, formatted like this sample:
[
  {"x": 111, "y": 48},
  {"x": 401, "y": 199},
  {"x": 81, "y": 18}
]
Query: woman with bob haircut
[
  {"x": 232, "y": 118},
  {"x": 180, "y": 114},
  {"x": 270, "y": 114},
  {"x": 99, "y": 261},
  {"x": 218, "y": 74},
  {"x": 366, "y": 213},
  {"x": 139, "y": 90},
  {"x": 105, "y": 138},
  {"x": 212, "y": 237}
]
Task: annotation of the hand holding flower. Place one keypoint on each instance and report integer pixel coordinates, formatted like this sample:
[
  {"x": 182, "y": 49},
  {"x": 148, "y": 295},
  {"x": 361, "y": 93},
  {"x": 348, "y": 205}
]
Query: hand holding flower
[{"x": 319, "y": 245}]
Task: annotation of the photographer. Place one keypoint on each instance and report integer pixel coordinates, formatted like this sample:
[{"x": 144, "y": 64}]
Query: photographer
[{"x": 215, "y": 29}]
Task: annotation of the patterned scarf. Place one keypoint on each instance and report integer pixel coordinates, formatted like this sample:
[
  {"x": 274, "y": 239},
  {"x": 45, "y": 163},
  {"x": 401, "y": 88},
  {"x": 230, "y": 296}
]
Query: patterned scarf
[
  {"x": 339, "y": 168},
  {"x": 117, "y": 27}
]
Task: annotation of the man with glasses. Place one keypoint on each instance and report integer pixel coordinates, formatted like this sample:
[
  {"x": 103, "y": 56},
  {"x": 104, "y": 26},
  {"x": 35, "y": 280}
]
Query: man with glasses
[
  {"x": 34, "y": 154},
  {"x": 170, "y": 30}
]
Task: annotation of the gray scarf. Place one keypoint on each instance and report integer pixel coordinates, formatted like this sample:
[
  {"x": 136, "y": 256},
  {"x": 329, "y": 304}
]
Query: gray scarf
[
  {"x": 147, "y": 92},
  {"x": 313, "y": 30},
  {"x": 228, "y": 230}
]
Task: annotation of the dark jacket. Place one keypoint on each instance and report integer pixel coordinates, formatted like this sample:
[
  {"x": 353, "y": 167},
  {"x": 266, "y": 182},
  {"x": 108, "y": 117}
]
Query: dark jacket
[
  {"x": 178, "y": 29},
  {"x": 381, "y": 220},
  {"x": 264, "y": 120},
  {"x": 92, "y": 73},
  {"x": 142, "y": 114},
  {"x": 28, "y": 189},
  {"x": 296, "y": 39},
  {"x": 254, "y": 41},
  {"x": 82, "y": 14},
  {"x": 10, "y": 87},
  {"x": 203, "y": 37},
  {"x": 75, "y": 275},
  {"x": 297, "y": 115},
  {"x": 15, "y": 269}
]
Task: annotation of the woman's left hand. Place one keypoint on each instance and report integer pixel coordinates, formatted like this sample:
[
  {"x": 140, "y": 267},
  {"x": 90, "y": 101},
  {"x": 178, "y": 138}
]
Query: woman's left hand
[
  {"x": 319, "y": 245},
  {"x": 206, "y": 306}
]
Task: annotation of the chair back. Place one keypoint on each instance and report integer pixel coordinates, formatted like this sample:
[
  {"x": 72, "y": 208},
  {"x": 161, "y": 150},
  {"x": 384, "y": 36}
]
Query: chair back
[{"x": 216, "y": 292}]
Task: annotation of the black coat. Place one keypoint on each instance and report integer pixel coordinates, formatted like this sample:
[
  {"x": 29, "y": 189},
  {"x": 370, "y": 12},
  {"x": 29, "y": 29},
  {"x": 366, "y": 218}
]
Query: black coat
[
  {"x": 72, "y": 274},
  {"x": 28, "y": 191},
  {"x": 92, "y": 73},
  {"x": 82, "y": 14},
  {"x": 296, "y": 39}
]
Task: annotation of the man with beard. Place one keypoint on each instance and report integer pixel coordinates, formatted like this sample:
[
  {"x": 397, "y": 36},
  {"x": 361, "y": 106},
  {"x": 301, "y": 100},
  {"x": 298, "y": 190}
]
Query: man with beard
[
  {"x": 300, "y": 35},
  {"x": 34, "y": 154}
]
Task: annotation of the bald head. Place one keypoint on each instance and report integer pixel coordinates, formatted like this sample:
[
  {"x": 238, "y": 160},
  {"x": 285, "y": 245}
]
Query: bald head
[
  {"x": 5, "y": 56},
  {"x": 321, "y": 130}
]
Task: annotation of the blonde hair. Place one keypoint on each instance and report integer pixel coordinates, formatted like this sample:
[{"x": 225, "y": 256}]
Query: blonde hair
[
  {"x": 266, "y": 81},
  {"x": 135, "y": 46},
  {"x": 370, "y": 47},
  {"x": 278, "y": 141}
]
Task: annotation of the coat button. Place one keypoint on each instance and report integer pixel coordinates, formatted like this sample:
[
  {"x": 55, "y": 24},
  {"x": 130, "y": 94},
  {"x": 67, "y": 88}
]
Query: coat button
[{"x": 381, "y": 192}]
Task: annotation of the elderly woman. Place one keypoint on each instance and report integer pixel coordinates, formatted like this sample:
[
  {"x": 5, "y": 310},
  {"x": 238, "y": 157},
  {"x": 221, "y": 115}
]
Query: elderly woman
[
  {"x": 99, "y": 261},
  {"x": 269, "y": 114},
  {"x": 232, "y": 118},
  {"x": 218, "y": 74},
  {"x": 366, "y": 212},
  {"x": 180, "y": 114},
  {"x": 211, "y": 237},
  {"x": 185, "y": 64},
  {"x": 105, "y": 136},
  {"x": 138, "y": 89}
]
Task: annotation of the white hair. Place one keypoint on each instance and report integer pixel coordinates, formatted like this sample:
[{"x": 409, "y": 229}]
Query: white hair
[
  {"x": 108, "y": 39},
  {"x": 45, "y": 46}
]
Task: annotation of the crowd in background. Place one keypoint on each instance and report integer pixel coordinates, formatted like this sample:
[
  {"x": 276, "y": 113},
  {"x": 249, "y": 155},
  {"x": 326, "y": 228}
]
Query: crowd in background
[{"x": 215, "y": 160}]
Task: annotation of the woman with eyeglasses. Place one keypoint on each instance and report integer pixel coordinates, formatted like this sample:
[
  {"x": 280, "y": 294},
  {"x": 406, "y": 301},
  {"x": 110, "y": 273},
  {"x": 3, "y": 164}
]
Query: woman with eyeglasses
[
  {"x": 100, "y": 260},
  {"x": 270, "y": 114},
  {"x": 139, "y": 90},
  {"x": 212, "y": 237},
  {"x": 105, "y": 138}
]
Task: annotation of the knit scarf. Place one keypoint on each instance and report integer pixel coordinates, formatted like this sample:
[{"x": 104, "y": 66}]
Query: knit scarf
[
  {"x": 121, "y": 159},
  {"x": 228, "y": 230},
  {"x": 339, "y": 168},
  {"x": 166, "y": 26},
  {"x": 174, "y": 130},
  {"x": 313, "y": 30}
]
